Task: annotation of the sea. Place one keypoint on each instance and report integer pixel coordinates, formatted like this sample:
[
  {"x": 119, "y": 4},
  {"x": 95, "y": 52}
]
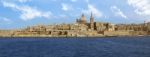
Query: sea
[{"x": 75, "y": 47}]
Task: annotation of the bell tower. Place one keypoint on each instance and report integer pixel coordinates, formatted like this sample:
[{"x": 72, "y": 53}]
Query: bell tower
[{"x": 92, "y": 22}]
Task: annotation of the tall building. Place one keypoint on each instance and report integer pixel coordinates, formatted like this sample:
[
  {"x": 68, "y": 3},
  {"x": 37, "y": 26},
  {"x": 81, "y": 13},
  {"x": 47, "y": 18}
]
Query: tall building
[
  {"x": 91, "y": 22},
  {"x": 82, "y": 20}
]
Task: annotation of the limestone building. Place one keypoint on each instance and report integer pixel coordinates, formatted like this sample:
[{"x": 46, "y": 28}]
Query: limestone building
[
  {"x": 92, "y": 22},
  {"x": 82, "y": 20}
]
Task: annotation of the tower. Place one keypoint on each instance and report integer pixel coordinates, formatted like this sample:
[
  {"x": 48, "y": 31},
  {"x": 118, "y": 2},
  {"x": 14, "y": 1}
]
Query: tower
[
  {"x": 91, "y": 22},
  {"x": 83, "y": 19}
]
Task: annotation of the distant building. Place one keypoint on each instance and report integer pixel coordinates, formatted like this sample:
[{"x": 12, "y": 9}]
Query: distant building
[
  {"x": 82, "y": 20},
  {"x": 99, "y": 26},
  {"x": 92, "y": 22}
]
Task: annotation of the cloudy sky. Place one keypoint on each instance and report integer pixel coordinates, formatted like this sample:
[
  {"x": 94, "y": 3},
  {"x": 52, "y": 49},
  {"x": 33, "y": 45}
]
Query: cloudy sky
[{"x": 22, "y": 13}]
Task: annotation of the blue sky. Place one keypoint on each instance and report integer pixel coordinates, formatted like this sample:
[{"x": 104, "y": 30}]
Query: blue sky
[{"x": 21, "y": 13}]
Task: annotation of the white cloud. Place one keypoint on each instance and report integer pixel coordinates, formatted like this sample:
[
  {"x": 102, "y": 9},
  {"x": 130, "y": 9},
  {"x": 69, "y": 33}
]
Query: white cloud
[
  {"x": 94, "y": 10},
  {"x": 66, "y": 7},
  {"x": 74, "y": 0},
  {"x": 62, "y": 16},
  {"x": 118, "y": 12},
  {"x": 5, "y": 20},
  {"x": 27, "y": 12},
  {"x": 142, "y": 7},
  {"x": 23, "y": 1},
  {"x": 87, "y": 1}
]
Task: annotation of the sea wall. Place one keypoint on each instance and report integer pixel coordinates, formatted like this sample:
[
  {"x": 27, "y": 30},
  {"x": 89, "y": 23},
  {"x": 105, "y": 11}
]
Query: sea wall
[
  {"x": 117, "y": 33},
  {"x": 125, "y": 33},
  {"x": 137, "y": 33},
  {"x": 6, "y": 33}
]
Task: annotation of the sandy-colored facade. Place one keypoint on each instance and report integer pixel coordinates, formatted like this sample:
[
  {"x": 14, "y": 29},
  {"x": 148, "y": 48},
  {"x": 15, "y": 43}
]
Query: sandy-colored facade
[{"x": 81, "y": 29}]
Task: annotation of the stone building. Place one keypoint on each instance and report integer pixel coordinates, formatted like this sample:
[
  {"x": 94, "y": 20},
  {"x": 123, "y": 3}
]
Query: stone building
[
  {"x": 92, "y": 22},
  {"x": 99, "y": 26},
  {"x": 82, "y": 20},
  {"x": 79, "y": 29}
]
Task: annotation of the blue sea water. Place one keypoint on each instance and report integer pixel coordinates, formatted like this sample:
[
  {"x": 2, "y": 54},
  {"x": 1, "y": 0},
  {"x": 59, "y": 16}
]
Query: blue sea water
[{"x": 75, "y": 47}]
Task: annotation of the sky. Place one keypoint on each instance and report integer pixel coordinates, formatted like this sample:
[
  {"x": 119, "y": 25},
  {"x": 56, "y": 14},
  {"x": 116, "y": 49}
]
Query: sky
[{"x": 16, "y": 14}]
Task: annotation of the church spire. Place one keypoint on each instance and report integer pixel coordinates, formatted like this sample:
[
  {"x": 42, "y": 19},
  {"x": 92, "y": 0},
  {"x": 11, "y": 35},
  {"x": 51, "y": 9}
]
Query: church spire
[
  {"x": 82, "y": 15},
  {"x": 91, "y": 18},
  {"x": 92, "y": 21},
  {"x": 91, "y": 15}
]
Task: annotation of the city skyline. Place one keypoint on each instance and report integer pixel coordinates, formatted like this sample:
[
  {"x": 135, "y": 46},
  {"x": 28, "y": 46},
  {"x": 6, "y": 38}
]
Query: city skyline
[{"x": 21, "y": 13}]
